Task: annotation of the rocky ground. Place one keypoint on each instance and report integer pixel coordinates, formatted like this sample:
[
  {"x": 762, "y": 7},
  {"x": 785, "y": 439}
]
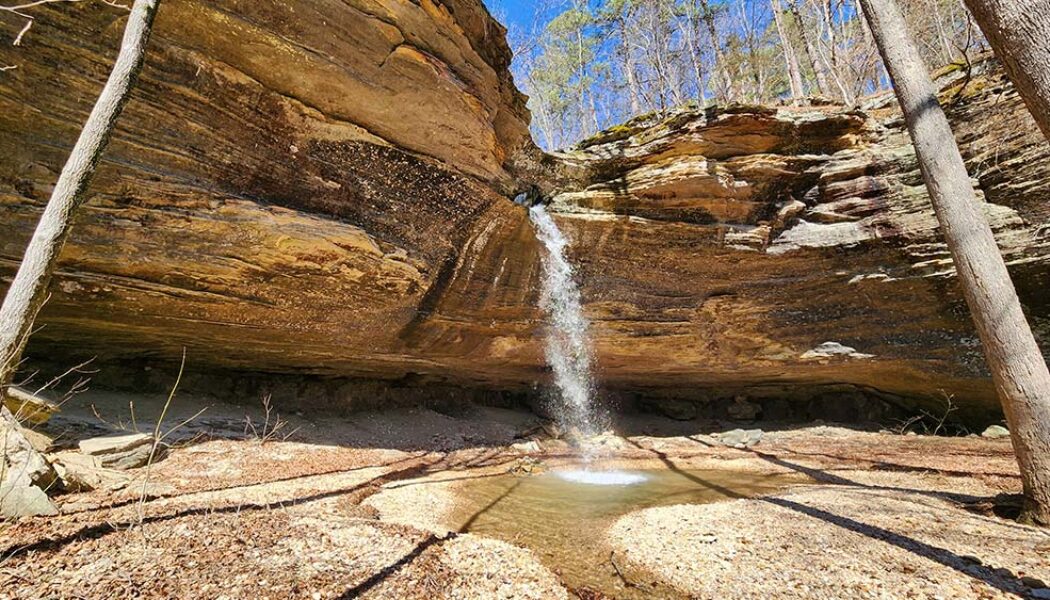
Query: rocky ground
[{"x": 366, "y": 506}]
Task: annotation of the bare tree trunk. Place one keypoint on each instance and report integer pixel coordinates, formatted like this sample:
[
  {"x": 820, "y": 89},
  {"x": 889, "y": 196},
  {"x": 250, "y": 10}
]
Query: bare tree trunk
[
  {"x": 1017, "y": 365},
  {"x": 831, "y": 57},
  {"x": 721, "y": 64},
  {"x": 661, "y": 61},
  {"x": 790, "y": 58},
  {"x": 691, "y": 35},
  {"x": 747, "y": 26},
  {"x": 582, "y": 74},
  {"x": 628, "y": 68},
  {"x": 811, "y": 52},
  {"x": 1018, "y": 31},
  {"x": 942, "y": 35},
  {"x": 28, "y": 291}
]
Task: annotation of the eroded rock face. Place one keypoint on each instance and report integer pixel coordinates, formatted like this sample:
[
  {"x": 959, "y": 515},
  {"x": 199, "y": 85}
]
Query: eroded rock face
[
  {"x": 798, "y": 246},
  {"x": 289, "y": 189},
  {"x": 315, "y": 188}
]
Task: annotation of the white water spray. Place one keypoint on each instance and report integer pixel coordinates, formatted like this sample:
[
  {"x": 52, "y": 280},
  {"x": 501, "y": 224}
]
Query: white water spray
[{"x": 567, "y": 344}]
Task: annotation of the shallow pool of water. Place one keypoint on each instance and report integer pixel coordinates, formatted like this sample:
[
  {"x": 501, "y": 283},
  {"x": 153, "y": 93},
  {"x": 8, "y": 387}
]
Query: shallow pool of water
[{"x": 562, "y": 516}]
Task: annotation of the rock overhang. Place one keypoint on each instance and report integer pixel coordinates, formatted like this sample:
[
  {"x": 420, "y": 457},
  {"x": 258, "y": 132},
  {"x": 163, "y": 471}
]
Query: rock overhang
[{"x": 296, "y": 226}]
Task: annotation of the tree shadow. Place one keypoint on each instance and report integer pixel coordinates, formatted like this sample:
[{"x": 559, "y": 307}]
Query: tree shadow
[
  {"x": 153, "y": 497},
  {"x": 690, "y": 476},
  {"x": 450, "y": 479},
  {"x": 100, "y": 530},
  {"x": 474, "y": 517},
  {"x": 825, "y": 477},
  {"x": 1002, "y": 579},
  {"x": 387, "y": 572},
  {"x": 884, "y": 465}
]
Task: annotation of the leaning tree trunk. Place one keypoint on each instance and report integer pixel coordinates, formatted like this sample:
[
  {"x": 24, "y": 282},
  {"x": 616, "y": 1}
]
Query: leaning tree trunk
[
  {"x": 1018, "y": 31},
  {"x": 28, "y": 291},
  {"x": 1017, "y": 365}
]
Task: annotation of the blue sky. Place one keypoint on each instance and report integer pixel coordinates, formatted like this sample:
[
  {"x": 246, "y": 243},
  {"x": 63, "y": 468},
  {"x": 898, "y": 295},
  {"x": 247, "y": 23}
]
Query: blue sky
[{"x": 518, "y": 12}]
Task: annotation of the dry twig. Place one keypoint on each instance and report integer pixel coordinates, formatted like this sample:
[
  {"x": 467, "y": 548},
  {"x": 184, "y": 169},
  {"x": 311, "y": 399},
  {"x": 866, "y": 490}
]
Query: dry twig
[{"x": 271, "y": 426}]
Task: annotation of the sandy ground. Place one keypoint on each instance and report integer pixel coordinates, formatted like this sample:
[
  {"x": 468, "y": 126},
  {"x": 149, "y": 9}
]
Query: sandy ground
[{"x": 366, "y": 506}]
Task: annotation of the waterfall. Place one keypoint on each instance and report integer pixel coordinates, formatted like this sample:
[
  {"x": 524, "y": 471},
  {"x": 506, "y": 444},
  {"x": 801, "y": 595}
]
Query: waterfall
[{"x": 567, "y": 346}]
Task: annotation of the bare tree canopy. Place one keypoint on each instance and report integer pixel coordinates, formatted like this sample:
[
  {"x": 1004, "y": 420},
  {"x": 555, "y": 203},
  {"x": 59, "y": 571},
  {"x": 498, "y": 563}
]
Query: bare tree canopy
[{"x": 592, "y": 65}]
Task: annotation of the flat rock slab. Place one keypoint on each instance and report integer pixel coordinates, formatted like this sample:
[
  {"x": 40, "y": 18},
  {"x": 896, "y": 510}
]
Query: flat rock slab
[
  {"x": 28, "y": 406},
  {"x": 115, "y": 443},
  {"x": 83, "y": 472},
  {"x": 119, "y": 451}
]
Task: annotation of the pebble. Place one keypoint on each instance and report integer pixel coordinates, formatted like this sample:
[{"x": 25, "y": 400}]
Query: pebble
[{"x": 996, "y": 432}]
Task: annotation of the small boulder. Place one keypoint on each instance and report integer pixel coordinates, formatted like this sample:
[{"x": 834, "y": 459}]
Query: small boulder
[
  {"x": 119, "y": 451},
  {"x": 528, "y": 447},
  {"x": 608, "y": 439},
  {"x": 679, "y": 410},
  {"x": 996, "y": 432},
  {"x": 17, "y": 501},
  {"x": 829, "y": 350},
  {"x": 40, "y": 442},
  {"x": 23, "y": 465},
  {"x": 84, "y": 473},
  {"x": 740, "y": 438}
]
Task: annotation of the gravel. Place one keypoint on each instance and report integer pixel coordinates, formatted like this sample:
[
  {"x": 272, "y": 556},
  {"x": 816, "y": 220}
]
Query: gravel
[{"x": 832, "y": 542}]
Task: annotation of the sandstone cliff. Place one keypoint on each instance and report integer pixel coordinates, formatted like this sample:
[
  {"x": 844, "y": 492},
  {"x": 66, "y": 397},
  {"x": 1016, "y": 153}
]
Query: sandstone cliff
[
  {"x": 779, "y": 249},
  {"x": 288, "y": 188},
  {"x": 316, "y": 188}
]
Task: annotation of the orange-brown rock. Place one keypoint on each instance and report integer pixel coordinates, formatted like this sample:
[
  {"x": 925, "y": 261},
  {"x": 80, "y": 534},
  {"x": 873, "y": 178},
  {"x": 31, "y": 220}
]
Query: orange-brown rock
[
  {"x": 770, "y": 250},
  {"x": 289, "y": 188}
]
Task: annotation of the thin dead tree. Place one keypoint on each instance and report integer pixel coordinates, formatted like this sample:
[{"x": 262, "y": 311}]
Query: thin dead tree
[
  {"x": 1019, "y": 371},
  {"x": 1018, "y": 31},
  {"x": 691, "y": 30},
  {"x": 626, "y": 52},
  {"x": 790, "y": 58},
  {"x": 815, "y": 63},
  {"x": 728, "y": 91},
  {"x": 28, "y": 291}
]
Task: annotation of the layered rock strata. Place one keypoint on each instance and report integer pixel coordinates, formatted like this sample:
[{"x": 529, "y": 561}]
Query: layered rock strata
[{"x": 318, "y": 190}]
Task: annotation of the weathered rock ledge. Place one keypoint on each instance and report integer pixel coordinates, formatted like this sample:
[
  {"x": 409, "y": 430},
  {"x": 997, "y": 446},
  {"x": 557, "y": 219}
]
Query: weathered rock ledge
[
  {"x": 317, "y": 191},
  {"x": 779, "y": 249}
]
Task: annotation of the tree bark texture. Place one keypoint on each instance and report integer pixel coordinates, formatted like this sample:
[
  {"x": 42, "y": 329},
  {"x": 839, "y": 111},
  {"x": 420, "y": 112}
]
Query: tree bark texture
[
  {"x": 28, "y": 291},
  {"x": 1018, "y": 368}
]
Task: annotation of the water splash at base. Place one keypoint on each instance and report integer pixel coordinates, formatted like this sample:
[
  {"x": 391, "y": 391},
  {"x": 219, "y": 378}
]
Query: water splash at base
[{"x": 588, "y": 477}]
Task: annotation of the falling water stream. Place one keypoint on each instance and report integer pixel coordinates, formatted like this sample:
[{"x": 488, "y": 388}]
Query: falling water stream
[
  {"x": 563, "y": 514},
  {"x": 567, "y": 345}
]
